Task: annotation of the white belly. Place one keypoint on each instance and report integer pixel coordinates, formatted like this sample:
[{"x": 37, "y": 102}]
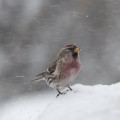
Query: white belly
[{"x": 63, "y": 82}]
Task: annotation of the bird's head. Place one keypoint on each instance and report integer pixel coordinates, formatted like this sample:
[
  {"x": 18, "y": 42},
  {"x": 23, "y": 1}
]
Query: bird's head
[{"x": 71, "y": 50}]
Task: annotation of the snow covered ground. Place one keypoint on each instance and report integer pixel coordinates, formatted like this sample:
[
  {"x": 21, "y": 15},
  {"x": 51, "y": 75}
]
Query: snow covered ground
[{"x": 99, "y": 102}]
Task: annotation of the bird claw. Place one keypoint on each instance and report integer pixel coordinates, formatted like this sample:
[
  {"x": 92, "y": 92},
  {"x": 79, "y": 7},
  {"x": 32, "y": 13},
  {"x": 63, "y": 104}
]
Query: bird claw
[
  {"x": 60, "y": 94},
  {"x": 70, "y": 89}
]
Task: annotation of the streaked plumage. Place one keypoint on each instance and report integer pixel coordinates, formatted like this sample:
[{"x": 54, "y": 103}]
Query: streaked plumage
[{"x": 64, "y": 68}]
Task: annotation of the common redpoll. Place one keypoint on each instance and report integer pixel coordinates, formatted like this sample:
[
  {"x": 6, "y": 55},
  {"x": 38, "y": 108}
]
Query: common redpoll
[{"x": 63, "y": 70}]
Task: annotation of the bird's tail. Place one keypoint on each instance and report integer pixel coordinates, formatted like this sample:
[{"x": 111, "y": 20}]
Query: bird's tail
[{"x": 41, "y": 76}]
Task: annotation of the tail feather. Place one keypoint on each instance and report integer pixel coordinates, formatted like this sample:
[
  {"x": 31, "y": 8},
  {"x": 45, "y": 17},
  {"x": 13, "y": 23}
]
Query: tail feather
[
  {"x": 42, "y": 74},
  {"x": 36, "y": 79},
  {"x": 40, "y": 77}
]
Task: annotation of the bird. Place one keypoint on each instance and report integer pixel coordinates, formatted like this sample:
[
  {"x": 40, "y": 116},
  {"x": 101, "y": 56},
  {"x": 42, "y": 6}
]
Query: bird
[{"x": 63, "y": 70}]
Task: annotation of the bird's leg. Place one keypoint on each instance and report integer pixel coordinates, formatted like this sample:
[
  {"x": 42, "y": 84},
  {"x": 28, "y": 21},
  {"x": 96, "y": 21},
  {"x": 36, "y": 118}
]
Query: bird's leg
[
  {"x": 70, "y": 88},
  {"x": 59, "y": 93}
]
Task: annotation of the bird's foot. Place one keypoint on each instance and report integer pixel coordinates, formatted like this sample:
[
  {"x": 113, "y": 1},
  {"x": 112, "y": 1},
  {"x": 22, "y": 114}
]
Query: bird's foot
[
  {"x": 70, "y": 89},
  {"x": 60, "y": 94}
]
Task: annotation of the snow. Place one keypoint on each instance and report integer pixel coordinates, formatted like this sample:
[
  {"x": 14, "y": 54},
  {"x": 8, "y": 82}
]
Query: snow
[{"x": 99, "y": 102}]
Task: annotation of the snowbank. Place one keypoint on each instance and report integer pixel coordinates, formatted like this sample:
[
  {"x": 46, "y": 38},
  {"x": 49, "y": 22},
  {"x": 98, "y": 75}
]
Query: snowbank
[{"x": 99, "y": 102}]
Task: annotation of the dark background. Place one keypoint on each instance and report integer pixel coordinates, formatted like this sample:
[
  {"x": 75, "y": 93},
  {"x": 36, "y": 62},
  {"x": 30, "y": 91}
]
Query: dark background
[{"x": 33, "y": 31}]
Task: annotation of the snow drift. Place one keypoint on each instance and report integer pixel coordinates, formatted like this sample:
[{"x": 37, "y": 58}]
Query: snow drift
[{"x": 99, "y": 102}]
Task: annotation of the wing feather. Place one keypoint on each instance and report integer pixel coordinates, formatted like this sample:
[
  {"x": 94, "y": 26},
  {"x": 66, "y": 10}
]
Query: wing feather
[{"x": 52, "y": 67}]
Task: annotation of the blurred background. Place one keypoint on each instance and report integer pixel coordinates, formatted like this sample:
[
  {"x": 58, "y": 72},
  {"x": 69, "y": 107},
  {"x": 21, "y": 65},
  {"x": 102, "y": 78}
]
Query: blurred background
[{"x": 33, "y": 31}]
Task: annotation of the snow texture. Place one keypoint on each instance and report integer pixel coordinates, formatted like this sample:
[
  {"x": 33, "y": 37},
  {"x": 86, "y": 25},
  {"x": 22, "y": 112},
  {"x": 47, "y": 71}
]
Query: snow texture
[{"x": 99, "y": 102}]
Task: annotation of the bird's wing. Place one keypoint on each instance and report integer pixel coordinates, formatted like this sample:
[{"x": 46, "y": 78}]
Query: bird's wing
[
  {"x": 58, "y": 61},
  {"x": 54, "y": 64},
  {"x": 52, "y": 67}
]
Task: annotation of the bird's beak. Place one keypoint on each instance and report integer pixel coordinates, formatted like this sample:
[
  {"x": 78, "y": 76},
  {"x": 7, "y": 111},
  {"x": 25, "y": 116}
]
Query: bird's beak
[{"x": 76, "y": 49}]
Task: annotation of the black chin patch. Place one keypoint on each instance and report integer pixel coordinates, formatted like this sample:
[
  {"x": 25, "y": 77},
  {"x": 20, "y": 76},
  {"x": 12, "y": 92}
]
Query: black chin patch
[{"x": 75, "y": 54}]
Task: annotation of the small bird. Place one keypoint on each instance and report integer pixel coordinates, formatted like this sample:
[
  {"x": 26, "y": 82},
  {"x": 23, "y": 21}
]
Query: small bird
[{"x": 64, "y": 68}]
